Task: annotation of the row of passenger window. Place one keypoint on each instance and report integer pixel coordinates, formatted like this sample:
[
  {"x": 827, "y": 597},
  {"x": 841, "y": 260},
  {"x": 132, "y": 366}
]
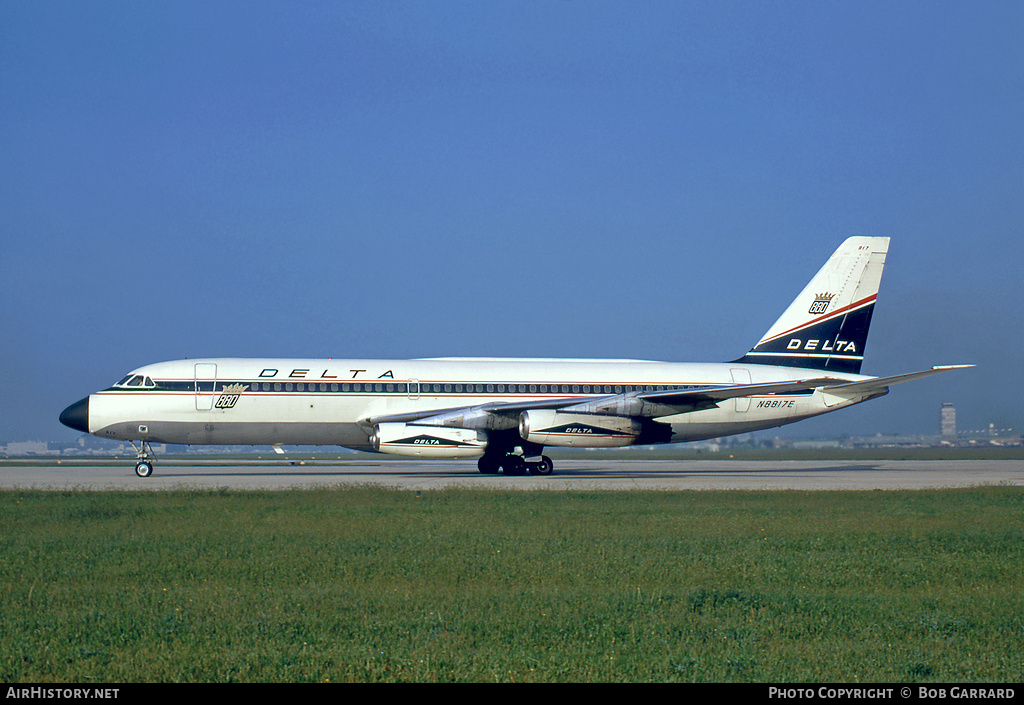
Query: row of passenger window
[
  {"x": 424, "y": 388},
  {"x": 432, "y": 388}
]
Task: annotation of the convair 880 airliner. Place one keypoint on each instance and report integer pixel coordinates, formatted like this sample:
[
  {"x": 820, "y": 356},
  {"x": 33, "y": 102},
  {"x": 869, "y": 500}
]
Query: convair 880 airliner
[{"x": 506, "y": 411}]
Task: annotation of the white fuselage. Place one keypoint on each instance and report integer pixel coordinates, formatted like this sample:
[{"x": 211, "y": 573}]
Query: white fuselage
[
  {"x": 332, "y": 402},
  {"x": 506, "y": 411}
]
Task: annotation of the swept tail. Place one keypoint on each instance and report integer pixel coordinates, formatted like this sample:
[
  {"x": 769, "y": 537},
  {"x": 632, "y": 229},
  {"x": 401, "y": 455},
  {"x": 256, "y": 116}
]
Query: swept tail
[{"x": 826, "y": 326}]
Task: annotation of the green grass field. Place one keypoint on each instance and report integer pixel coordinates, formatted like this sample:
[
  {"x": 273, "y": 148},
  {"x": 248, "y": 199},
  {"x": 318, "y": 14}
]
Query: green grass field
[{"x": 468, "y": 585}]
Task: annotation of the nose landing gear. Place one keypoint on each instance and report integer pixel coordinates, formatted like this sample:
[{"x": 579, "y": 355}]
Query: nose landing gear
[{"x": 144, "y": 458}]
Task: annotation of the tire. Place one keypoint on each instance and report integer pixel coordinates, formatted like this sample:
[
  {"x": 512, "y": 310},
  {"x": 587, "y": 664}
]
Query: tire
[
  {"x": 144, "y": 468},
  {"x": 489, "y": 465},
  {"x": 513, "y": 465},
  {"x": 544, "y": 467}
]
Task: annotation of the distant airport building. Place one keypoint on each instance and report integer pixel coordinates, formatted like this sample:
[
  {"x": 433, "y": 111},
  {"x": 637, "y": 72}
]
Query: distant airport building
[
  {"x": 947, "y": 420},
  {"x": 27, "y": 448}
]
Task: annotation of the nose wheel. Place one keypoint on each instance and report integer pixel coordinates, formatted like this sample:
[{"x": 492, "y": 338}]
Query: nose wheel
[{"x": 144, "y": 458}]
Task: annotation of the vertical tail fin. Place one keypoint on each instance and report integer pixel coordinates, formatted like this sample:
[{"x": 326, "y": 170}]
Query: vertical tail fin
[{"x": 826, "y": 326}]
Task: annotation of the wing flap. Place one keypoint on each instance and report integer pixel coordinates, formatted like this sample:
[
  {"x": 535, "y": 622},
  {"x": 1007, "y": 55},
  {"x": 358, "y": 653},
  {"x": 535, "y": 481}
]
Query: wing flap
[
  {"x": 491, "y": 415},
  {"x": 686, "y": 397}
]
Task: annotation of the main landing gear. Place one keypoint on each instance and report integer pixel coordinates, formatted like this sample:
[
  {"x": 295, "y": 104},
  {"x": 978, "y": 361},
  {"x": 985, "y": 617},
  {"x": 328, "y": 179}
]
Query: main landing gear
[
  {"x": 144, "y": 457},
  {"x": 512, "y": 464}
]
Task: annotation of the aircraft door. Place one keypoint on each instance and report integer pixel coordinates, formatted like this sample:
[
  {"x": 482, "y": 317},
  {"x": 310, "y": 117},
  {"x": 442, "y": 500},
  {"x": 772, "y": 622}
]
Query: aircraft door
[
  {"x": 741, "y": 376},
  {"x": 205, "y": 385}
]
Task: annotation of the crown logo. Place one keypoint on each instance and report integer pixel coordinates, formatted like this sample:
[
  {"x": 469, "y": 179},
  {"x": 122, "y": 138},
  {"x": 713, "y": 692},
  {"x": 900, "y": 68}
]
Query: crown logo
[
  {"x": 235, "y": 388},
  {"x": 820, "y": 303}
]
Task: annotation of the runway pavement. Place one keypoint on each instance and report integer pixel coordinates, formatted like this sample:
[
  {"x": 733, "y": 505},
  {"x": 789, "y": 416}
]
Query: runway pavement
[{"x": 568, "y": 475}]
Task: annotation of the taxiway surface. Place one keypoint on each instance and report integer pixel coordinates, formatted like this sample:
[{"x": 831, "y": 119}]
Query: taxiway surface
[{"x": 568, "y": 475}]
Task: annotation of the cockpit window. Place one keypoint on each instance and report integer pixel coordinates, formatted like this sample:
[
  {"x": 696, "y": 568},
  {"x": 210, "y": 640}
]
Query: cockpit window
[{"x": 135, "y": 381}]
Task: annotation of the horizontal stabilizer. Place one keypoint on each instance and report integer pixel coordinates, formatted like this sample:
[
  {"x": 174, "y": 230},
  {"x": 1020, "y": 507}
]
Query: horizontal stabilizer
[{"x": 881, "y": 384}]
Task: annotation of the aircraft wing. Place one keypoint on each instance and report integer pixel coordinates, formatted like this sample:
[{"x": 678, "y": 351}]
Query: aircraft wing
[
  {"x": 503, "y": 415},
  {"x": 497, "y": 415},
  {"x": 687, "y": 397},
  {"x": 447, "y": 417}
]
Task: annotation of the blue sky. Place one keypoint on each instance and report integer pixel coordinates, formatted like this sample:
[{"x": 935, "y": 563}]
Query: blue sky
[{"x": 649, "y": 180}]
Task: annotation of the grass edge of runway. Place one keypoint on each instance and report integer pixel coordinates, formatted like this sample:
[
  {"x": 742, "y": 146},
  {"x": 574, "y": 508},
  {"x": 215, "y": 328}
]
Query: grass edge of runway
[{"x": 370, "y": 584}]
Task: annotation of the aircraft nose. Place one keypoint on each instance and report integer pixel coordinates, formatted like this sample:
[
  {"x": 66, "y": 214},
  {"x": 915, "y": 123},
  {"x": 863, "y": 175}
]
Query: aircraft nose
[{"x": 76, "y": 416}]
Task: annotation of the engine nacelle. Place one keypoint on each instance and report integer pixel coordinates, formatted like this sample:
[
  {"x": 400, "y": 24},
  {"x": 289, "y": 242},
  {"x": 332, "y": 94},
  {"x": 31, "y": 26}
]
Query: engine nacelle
[
  {"x": 559, "y": 428},
  {"x": 428, "y": 441}
]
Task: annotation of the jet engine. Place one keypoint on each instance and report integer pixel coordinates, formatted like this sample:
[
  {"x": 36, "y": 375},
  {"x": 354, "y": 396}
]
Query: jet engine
[
  {"x": 428, "y": 441},
  {"x": 560, "y": 428}
]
